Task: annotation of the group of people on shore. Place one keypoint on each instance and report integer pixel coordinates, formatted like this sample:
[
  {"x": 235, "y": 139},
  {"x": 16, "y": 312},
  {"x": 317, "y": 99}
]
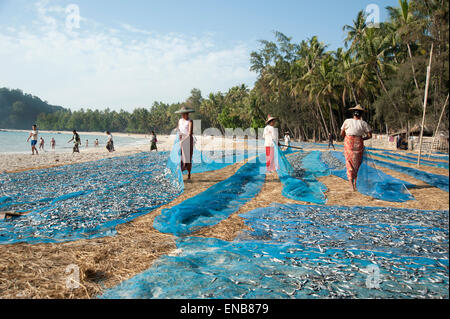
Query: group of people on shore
[
  {"x": 75, "y": 139},
  {"x": 354, "y": 131}
]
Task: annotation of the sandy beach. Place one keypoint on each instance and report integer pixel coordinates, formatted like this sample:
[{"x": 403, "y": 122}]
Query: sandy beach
[{"x": 12, "y": 163}]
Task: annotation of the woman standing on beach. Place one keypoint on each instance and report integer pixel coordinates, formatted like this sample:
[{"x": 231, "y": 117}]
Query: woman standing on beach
[
  {"x": 41, "y": 144},
  {"x": 271, "y": 139},
  {"x": 53, "y": 143},
  {"x": 110, "y": 142},
  {"x": 153, "y": 140},
  {"x": 76, "y": 142},
  {"x": 186, "y": 129},
  {"x": 34, "y": 139},
  {"x": 355, "y": 131}
]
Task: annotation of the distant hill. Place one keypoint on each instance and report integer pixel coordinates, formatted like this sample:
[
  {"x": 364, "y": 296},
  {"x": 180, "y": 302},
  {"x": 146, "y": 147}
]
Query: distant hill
[{"x": 19, "y": 110}]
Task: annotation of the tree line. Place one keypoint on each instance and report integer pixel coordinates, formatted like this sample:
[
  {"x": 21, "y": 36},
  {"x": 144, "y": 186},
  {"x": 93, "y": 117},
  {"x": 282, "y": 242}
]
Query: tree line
[
  {"x": 19, "y": 110},
  {"x": 309, "y": 87}
]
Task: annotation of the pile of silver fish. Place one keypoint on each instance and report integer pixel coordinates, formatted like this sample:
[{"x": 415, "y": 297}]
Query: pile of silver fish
[
  {"x": 296, "y": 162},
  {"x": 331, "y": 161},
  {"x": 86, "y": 200},
  {"x": 296, "y": 251}
]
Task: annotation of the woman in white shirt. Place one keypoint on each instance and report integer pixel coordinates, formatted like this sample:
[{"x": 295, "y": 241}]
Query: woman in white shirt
[
  {"x": 355, "y": 131},
  {"x": 186, "y": 129},
  {"x": 287, "y": 140},
  {"x": 271, "y": 139}
]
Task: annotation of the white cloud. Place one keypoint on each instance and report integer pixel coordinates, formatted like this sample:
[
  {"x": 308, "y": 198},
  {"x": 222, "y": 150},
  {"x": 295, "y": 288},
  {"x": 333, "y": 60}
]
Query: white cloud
[{"x": 120, "y": 67}]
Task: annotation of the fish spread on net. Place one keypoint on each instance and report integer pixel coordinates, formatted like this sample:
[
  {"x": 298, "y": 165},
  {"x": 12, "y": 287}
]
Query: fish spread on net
[
  {"x": 330, "y": 260},
  {"x": 84, "y": 200},
  {"x": 331, "y": 161},
  {"x": 296, "y": 162}
]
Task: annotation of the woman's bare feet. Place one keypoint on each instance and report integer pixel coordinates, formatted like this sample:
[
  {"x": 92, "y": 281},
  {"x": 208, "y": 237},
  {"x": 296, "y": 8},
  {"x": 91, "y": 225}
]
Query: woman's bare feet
[{"x": 351, "y": 186}]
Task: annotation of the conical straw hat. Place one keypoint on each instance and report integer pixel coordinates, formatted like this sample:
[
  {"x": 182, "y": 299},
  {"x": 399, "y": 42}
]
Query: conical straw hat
[
  {"x": 184, "y": 109},
  {"x": 270, "y": 118},
  {"x": 357, "y": 108}
]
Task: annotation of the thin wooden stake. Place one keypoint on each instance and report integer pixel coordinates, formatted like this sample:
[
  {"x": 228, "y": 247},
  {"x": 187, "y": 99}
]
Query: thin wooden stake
[{"x": 425, "y": 105}]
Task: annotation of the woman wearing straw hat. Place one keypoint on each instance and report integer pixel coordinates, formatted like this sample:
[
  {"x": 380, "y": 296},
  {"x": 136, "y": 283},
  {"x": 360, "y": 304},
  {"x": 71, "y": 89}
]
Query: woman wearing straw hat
[
  {"x": 271, "y": 137},
  {"x": 355, "y": 131},
  {"x": 186, "y": 129}
]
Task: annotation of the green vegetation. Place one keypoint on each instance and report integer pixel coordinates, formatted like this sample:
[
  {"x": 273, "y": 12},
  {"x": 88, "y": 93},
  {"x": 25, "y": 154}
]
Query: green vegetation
[
  {"x": 20, "y": 111},
  {"x": 307, "y": 86}
]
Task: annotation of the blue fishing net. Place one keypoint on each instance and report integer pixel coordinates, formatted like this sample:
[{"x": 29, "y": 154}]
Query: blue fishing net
[
  {"x": 86, "y": 200},
  {"x": 301, "y": 188},
  {"x": 373, "y": 182},
  {"x": 294, "y": 251},
  {"x": 443, "y": 157},
  {"x": 426, "y": 157},
  {"x": 314, "y": 166},
  {"x": 212, "y": 160},
  {"x": 409, "y": 159},
  {"x": 435, "y": 155},
  {"x": 174, "y": 161},
  {"x": 290, "y": 151},
  {"x": 215, "y": 204},
  {"x": 208, "y": 159},
  {"x": 439, "y": 155},
  {"x": 309, "y": 145},
  {"x": 439, "y": 181}
]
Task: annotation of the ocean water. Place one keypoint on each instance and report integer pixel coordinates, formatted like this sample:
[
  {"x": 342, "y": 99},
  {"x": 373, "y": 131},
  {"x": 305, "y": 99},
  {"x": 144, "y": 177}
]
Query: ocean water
[{"x": 16, "y": 141}]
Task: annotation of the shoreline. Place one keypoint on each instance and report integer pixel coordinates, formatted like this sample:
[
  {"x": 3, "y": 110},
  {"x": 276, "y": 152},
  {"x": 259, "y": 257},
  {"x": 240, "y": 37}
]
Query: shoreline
[
  {"x": 20, "y": 162},
  {"x": 119, "y": 134}
]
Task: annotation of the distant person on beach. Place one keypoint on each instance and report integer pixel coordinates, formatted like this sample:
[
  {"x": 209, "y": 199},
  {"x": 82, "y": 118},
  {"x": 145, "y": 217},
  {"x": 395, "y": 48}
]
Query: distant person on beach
[
  {"x": 402, "y": 143},
  {"x": 287, "y": 140},
  {"x": 41, "y": 144},
  {"x": 153, "y": 140},
  {"x": 355, "y": 131},
  {"x": 330, "y": 141},
  {"x": 34, "y": 139},
  {"x": 271, "y": 140},
  {"x": 110, "y": 142},
  {"x": 87, "y": 143},
  {"x": 53, "y": 143},
  {"x": 96, "y": 143},
  {"x": 186, "y": 129},
  {"x": 76, "y": 142}
]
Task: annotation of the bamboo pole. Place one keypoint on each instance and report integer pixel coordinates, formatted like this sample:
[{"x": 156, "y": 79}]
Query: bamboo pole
[
  {"x": 437, "y": 127},
  {"x": 425, "y": 106}
]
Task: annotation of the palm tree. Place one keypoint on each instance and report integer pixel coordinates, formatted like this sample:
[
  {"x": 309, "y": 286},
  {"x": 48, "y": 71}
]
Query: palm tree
[
  {"x": 373, "y": 60},
  {"x": 355, "y": 32},
  {"x": 402, "y": 20}
]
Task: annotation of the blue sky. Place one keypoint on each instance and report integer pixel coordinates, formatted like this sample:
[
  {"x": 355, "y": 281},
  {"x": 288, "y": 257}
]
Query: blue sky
[{"x": 127, "y": 54}]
